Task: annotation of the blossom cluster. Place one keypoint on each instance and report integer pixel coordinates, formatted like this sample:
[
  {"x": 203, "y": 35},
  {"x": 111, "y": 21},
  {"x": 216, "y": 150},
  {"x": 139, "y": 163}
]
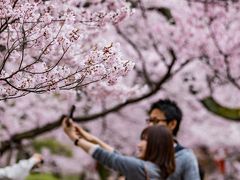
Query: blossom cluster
[{"x": 54, "y": 45}]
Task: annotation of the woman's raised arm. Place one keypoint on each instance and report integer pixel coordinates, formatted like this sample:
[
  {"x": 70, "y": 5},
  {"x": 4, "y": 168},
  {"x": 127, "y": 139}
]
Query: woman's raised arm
[{"x": 74, "y": 131}]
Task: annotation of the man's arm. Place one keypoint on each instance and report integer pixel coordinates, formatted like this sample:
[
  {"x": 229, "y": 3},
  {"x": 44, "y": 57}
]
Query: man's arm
[
  {"x": 20, "y": 170},
  {"x": 191, "y": 169}
]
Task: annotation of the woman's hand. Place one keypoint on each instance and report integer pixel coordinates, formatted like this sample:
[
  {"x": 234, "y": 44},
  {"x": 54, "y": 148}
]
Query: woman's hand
[
  {"x": 74, "y": 132},
  {"x": 70, "y": 129}
]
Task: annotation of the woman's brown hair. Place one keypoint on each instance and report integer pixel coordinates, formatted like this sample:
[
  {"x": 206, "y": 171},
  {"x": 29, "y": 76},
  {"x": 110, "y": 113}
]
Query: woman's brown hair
[{"x": 160, "y": 149}]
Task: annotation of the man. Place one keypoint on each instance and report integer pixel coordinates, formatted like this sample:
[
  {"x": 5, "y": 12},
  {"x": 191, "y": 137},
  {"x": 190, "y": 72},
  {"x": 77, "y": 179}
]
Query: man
[
  {"x": 166, "y": 112},
  {"x": 20, "y": 170}
]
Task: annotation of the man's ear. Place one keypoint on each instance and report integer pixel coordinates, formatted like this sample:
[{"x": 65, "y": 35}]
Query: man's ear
[{"x": 172, "y": 124}]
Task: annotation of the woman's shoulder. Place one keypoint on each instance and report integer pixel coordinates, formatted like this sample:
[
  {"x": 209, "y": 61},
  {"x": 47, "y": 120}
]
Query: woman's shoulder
[
  {"x": 151, "y": 165},
  {"x": 152, "y": 170}
]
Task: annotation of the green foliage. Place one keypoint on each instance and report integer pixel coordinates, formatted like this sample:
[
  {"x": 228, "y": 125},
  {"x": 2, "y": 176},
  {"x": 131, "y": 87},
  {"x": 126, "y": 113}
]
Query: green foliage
[
  {"x": 41, "y": 177},
  {"x": 71, "y": 177},
  {"x": 213, "y": 106},
  {"x": 82, "y": 176},
  {"x": 165, "y": 12},
  {"x": 48, "y": 176},
  {"x": 53, "y": 145},
  {"x": 103, "y": 172}
]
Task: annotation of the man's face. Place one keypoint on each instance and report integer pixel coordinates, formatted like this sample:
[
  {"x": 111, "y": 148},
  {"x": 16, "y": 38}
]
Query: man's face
[{"x": 157, "y": 117}]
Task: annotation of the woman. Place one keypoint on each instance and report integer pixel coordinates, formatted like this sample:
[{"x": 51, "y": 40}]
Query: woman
[{"x": 156, "y": 152}]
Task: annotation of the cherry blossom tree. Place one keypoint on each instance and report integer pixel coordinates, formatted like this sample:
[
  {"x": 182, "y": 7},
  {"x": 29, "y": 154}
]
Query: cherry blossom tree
[
  {"x": 47, "y": 46},
  {"x": 186, "y": 51}
]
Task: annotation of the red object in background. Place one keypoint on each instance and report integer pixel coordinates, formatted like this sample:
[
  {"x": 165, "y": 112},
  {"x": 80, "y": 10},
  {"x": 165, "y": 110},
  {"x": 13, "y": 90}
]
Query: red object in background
[{"x": 221, "y": 165}]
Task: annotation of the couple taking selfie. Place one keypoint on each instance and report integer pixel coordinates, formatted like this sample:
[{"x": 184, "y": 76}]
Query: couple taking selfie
[{"x": 159, "y": 155}]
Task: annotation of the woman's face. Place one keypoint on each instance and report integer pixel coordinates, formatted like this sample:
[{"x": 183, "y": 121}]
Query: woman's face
[{"x": 142, "y": 146}]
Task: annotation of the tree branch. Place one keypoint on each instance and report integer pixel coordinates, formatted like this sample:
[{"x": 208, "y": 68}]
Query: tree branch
[{"x": 5, "y": 145}]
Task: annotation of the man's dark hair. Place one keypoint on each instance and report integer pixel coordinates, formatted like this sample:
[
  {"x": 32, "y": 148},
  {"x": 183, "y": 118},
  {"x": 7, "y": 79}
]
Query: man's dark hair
[{"x": 171, "y": 111}]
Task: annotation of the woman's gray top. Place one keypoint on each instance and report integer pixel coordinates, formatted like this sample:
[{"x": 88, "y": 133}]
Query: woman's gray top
[{"x": 131, "y": 167}]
